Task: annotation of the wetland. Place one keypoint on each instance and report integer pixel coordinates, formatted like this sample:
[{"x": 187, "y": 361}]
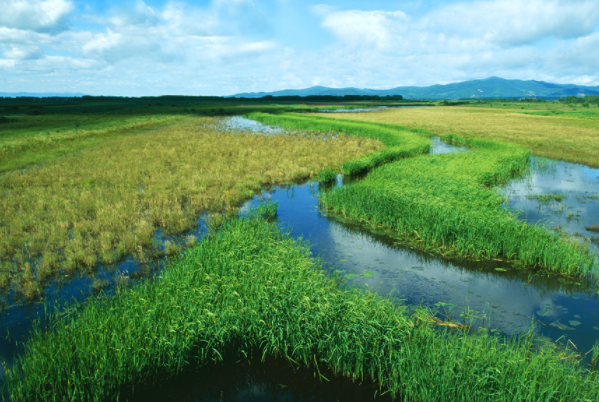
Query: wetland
[{"x": 466, "y": 299}]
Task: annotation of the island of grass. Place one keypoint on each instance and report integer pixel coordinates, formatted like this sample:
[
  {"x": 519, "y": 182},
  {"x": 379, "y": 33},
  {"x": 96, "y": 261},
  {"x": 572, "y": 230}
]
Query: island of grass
[{"x": 250, "y": 291}]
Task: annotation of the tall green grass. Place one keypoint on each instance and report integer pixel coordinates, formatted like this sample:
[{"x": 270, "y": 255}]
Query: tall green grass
[
  {"x": 446, "y": 204},
  {"x": 251, "y": 291},
  {"x": 400, "y": 143}
]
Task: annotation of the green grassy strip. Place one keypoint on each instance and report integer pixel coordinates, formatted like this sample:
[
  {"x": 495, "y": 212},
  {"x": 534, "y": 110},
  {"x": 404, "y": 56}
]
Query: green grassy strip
[
  {"x": 252, "y": 291},
  {"x": 446, "y": 203},
  {"x": 400, "y": 142}
]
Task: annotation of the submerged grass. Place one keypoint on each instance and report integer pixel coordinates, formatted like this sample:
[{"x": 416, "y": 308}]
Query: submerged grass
[
  {"x": 251, "y": 291},
  {"x": 106, "y": 202}
]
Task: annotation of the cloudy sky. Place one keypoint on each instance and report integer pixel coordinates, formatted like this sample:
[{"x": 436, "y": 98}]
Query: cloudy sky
[{"x": 222, "y": 47}]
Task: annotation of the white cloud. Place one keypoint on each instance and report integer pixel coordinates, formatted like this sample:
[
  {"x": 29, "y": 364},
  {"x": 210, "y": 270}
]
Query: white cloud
[
  {"x": 377, "y": 28},
  {"x": 516, "y": 22},
  {"x": 49, "y": 16}
]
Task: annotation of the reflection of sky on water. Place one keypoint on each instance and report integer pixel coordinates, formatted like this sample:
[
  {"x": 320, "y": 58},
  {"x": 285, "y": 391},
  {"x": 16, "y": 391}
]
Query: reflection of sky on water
[
  {"x": 576, "y": 211},
  {"x": 509, "y": 298}
]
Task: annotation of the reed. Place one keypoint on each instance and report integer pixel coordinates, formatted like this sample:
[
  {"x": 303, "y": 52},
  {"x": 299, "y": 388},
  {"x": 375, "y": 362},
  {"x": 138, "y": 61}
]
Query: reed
[{"x": 252, "y": 291}]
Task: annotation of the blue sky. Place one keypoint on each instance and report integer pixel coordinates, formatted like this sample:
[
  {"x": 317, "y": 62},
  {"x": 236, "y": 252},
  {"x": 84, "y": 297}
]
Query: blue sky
[{"x": 222, "y": 47}]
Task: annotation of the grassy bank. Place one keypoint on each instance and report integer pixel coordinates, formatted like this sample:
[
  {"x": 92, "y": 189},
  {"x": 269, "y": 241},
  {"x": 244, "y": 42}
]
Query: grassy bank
[
  {"x": 445, "y": 203},
  {"x": 252, "y": 291},
  {"x": 105, "y": 202},
  {"x": 399, "y": 143},
  {"x": 564, "y": 135}
]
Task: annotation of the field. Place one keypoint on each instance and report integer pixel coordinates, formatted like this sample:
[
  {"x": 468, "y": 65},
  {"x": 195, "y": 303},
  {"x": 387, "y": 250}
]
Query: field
[
  {"x": 549, "y": 130},
  {"x": 252, "y": 291},
  {"x": 87, "y": 183},
  {"x": 96, "y": 193}
]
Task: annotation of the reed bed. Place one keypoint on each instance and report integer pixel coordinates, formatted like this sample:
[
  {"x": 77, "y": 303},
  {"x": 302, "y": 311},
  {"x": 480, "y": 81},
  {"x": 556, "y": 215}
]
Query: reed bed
[
  {"x": 103, "y": 203},
  {"x": 252, "y": 291},
  {"x": 399, "y": 143},
  {"x": 446, "y": 204}
]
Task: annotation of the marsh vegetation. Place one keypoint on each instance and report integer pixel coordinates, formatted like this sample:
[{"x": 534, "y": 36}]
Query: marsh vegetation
[{"x": 249, "y": 292}]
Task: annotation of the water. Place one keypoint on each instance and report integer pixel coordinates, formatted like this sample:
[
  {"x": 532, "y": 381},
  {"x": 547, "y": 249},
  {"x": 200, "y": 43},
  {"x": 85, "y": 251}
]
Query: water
[
  {"x": 439, "y": 147},
  {"x": 510, "y": 300},
  {"x": 574, "y": 206},
  {"x": 274, "y": 380}
]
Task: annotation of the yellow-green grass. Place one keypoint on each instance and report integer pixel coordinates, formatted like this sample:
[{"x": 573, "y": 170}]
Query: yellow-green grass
[
  {"x": 399, "y": 143},
  {"x": 559, "y": 137},
  {"x": 105, "y": 202},
  {"x": 30, "y": 140},
  {"x": 252, "y": 292}
]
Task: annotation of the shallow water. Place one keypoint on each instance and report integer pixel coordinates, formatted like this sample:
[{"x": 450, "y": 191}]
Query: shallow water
[{"x": 576, "y": 188}]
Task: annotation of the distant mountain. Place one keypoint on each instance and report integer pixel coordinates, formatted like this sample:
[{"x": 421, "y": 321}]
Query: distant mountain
[
  {"x": 493, "y": 87},
  {"x": 40, "y": 94}
]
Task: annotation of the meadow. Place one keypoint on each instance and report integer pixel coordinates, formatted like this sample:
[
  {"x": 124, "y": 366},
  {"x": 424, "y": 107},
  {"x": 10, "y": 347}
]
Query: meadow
[
  {"x": 119, "y": 180},
  {"x": 551, "y": 130},
  {"x": 251, "y": 291}
]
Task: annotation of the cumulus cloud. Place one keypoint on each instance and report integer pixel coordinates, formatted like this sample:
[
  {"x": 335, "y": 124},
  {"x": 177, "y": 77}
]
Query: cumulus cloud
[{"x": 49, "y": 16}]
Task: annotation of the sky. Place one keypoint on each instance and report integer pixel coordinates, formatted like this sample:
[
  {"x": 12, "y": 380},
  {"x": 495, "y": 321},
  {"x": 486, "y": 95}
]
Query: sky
[{"x": 223, "y": 47}]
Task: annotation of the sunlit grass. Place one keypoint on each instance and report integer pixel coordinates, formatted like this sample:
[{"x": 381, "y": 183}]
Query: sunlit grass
[
  {"x": 106, "y": 202},
  {"x": 562, "y": 137},
  {"x": 251, "y": 291}
]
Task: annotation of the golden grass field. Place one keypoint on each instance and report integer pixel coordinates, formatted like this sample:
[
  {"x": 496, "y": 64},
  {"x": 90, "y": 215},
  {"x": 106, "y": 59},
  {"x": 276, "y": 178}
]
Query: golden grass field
[
  {"x": 105, "y": 202},
  {"x": 572, "y": 139}
]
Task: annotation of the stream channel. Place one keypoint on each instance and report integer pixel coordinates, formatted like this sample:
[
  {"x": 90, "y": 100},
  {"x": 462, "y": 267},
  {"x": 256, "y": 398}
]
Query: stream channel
[{"x": 508, "y": 300}]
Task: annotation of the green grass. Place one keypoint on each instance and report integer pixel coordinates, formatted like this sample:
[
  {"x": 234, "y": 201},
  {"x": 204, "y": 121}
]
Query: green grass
[
  {"x": 399, "y": 143},
  {"x": 446, "y": 204},
  {"x": 251, "y": 291}
]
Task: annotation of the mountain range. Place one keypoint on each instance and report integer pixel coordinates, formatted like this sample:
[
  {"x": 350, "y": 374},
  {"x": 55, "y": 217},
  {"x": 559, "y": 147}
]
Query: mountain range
[{"x": 493, "y": 87}]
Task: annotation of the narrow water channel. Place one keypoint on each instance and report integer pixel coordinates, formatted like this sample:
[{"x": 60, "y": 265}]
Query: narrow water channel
[{"x": 511, "y": 301}]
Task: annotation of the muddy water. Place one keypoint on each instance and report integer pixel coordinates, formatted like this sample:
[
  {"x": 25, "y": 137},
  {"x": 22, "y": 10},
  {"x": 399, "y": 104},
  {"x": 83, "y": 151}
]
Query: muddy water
[{"x": 559, "y": 194}]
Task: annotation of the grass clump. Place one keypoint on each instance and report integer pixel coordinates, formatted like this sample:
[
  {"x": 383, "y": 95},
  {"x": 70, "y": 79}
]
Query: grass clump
[
  {"x": 399, "y": 143},
  {"x": 251, "y": 291},
  {"x": 106, "y": 202},
  {"x": 446, "y": 204},
  {"x": 327, "y": 176},
  {"x": 592, "y": 228}
]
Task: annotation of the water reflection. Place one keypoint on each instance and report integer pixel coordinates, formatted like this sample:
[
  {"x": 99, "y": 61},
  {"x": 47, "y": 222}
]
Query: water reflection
[
  {"x": 273, "y": 380},
  {"x": 562, "y": 194},
  {"x": 510, "y": 298}
]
